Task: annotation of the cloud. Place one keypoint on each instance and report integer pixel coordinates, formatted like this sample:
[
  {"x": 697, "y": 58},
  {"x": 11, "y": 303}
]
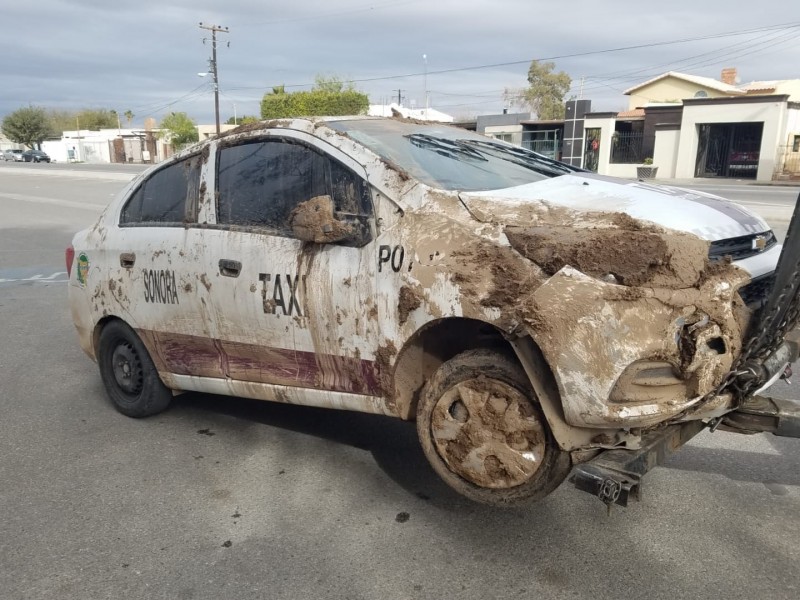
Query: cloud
[{"x": 145, "y": 56}]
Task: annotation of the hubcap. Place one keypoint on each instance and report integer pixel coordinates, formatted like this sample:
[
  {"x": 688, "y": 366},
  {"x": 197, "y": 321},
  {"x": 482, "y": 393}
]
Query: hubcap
[
  {"x": 127, "y": 368},
  {"x": 488, "y": 432}
]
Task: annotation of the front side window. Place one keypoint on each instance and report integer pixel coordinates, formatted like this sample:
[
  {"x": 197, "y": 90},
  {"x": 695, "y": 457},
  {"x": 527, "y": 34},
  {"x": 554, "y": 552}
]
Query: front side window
[
  {"x": 261, "y": 182},
  {"x": 168, "y": 197}
]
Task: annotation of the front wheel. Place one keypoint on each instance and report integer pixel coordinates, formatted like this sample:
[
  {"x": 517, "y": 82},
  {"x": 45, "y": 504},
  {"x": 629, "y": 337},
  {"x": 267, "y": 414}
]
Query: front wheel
[
  {"x": 483, "y": 432},
  {"x": 129, "y": 376}
]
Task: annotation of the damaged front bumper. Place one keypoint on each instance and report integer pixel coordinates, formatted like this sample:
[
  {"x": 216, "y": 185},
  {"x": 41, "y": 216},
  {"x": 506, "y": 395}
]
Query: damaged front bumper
[
  {"x": 635, "y": 357},
  {"x": 615, "y": 476}
]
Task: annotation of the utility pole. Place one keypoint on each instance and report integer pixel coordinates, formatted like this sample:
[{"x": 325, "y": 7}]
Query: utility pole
[
  {"x": 399, "y": 97},
  {"x": 214, "y": 29}
]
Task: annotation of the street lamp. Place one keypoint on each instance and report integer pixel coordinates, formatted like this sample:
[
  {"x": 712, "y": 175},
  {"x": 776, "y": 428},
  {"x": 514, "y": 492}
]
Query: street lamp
[{"x": 425, "y": 84}]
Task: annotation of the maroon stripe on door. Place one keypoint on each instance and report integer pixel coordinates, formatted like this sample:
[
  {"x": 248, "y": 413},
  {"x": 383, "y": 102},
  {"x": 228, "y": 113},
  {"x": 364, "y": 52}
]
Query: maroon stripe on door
[
  {"x": 200, "y": 356},
  {"x": 183, "y": 354},
  {"x": 249, "y": 362}
]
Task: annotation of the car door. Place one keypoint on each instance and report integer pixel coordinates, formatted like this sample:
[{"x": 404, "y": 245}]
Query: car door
[
  {"x": 157, "y": 275},
  {"x": 292, "y": 312}
]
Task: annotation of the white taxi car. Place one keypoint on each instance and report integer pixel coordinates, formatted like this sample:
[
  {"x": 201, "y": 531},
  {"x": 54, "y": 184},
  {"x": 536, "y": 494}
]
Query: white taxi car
[{"x": 527, "y": 314}]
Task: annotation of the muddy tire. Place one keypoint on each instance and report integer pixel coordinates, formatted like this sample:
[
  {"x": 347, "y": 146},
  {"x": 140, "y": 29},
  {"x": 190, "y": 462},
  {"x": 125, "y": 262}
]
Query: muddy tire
[
  {"x": 482, "y": 430},
  {"x": 129, "y": 376}
]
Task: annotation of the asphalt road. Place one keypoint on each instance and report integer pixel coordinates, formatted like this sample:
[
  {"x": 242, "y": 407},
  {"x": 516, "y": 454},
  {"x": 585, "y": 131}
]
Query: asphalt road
[{"x": 226, "y": 498}]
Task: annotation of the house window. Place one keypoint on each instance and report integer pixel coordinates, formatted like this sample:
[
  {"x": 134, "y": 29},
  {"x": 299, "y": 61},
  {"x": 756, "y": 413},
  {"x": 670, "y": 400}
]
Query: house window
[
  {"x": 796, "y": 144},
  {"x": 504, "y": 137}
]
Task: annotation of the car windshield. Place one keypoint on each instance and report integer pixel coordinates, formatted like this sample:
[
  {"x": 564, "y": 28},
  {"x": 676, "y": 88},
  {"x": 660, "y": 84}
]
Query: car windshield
[{"x": 450, "y": 158}]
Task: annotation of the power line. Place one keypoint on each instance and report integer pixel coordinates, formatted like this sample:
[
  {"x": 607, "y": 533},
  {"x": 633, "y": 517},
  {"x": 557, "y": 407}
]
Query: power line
[
  {"x": 161, "y": 105},
  {"x": 329, "y": 15},
  {"x": 740, "y": 53},
  {"x": 783, "y": 26},
  {"x": 627, "y": 73}
]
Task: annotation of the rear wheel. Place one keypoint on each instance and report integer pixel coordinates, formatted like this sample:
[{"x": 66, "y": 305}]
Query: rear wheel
[
  {"x": 482, "y": 430},
  {"x": 130, "y": 378}
]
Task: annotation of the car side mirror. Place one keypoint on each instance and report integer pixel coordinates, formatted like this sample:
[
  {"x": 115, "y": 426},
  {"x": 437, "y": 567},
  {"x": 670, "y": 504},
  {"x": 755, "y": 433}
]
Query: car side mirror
[{"x": 314, "y": 221}]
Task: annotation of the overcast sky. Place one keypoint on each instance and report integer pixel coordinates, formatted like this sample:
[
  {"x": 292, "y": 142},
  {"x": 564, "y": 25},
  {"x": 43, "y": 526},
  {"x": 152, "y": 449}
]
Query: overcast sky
[{"x": 145, "y": 55}]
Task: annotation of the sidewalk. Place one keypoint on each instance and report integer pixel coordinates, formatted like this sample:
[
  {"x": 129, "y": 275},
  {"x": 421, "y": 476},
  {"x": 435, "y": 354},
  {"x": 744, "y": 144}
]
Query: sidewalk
[
  {"x": 123, "y": 174},
  {"x": 719, "y": 181}
]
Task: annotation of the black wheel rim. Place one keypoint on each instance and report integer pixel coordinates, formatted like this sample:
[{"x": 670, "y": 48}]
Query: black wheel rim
[{"x": 127, "y": 368}]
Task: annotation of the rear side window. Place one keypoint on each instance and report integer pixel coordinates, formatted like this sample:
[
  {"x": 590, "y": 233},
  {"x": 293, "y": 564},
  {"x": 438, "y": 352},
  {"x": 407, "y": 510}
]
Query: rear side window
[
  {"x": 261, "y": 182},
  {"x": 169, "y": 196}
]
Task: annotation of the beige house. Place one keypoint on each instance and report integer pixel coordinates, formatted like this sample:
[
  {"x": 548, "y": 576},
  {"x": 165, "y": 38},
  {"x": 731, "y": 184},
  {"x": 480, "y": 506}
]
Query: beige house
[
  {"x": 675, "y": 87},
  {"x": 692, "y": 126}
]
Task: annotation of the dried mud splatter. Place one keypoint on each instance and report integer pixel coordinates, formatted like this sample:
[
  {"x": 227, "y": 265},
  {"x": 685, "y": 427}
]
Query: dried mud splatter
[
  {"x": 410, "y": 301},
  {"x": 313, "y": 220},
  {"x": 384, "y": 357}
]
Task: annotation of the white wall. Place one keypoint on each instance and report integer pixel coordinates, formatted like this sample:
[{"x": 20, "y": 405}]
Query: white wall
[
  {"x": 665, "y": 153},
  {"x": 772, "y": 114},
  {"x": 792, "y": 124},
  {"x": 628, "y": 171}
]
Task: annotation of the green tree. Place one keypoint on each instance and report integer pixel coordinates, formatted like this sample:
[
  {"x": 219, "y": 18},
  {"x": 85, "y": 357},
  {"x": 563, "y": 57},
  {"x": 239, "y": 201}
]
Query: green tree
[
  {"x": 95, "y": 119},
  {"x": 28, "y": 125},
  {"x": 545, "y": 92},
  {"x": 243, "y": 120},
  {"x": 129, "y": 116},
  {"x": 330, "y": 96},
  {"x": 179, "y": 129},
  {"x": 61, "y": 120},
  {"x": 332, "y": 83},
  {"x": 92, "y": 119}
]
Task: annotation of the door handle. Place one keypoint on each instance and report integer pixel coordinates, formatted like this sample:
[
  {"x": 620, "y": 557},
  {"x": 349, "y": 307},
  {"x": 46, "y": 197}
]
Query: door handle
[
  {"x": 229, "y": 268},
  {"x": 126, "y": 260}
]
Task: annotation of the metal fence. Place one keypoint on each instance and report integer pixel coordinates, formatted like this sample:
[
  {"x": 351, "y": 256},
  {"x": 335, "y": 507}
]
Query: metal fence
[
  {"x": 548, "y": 148},
  {"x": 788, "y": 164},
  {"x": 626, "y": 147},
  {"x": 544, "y": 142}
]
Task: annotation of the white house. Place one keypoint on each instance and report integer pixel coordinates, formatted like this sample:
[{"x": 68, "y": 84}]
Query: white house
[{"x": 420, "y": 114}]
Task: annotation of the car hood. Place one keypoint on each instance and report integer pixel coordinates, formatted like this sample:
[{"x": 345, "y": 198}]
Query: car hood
[{"x": 704, "y": 215}]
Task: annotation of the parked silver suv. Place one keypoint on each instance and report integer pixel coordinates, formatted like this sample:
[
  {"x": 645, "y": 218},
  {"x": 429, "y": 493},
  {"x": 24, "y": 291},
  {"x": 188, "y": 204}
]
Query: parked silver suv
[{"x": 14, "y": 155}]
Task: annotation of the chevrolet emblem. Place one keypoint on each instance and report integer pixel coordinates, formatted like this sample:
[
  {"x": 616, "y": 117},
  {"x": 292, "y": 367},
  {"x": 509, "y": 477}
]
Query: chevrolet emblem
[{"x": 759, "y": 242}]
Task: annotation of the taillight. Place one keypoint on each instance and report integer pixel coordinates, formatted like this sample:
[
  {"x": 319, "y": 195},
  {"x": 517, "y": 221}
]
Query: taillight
[{"x": 70, "y": 257}]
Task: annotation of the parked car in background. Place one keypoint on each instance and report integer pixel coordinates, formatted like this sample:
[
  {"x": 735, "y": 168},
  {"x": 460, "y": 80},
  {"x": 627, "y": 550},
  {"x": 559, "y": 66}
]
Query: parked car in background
[
  {"x": 35, "y": 156},
  {"x": 12, "y": 155}
]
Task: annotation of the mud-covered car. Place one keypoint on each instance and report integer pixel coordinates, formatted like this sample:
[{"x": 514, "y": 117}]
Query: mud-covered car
[{"x": 530, "y": 317}]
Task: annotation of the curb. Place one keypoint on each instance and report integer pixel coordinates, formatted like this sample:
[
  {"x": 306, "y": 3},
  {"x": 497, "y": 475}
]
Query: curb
[{"x": 110, "y": 175}]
